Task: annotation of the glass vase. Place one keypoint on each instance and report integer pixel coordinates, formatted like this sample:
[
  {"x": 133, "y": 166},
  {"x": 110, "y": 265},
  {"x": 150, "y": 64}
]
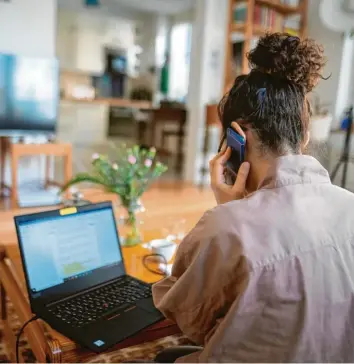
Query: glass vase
[{"x": 130, "y": 221}]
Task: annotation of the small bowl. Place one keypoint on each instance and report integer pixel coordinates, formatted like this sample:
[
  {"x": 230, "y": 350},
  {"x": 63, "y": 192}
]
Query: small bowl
[{"x": 163, "y": 247}]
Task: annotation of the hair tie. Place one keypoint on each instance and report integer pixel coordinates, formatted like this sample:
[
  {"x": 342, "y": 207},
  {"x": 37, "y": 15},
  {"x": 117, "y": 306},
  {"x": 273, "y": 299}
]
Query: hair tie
[{"x": 261, "y": 93}]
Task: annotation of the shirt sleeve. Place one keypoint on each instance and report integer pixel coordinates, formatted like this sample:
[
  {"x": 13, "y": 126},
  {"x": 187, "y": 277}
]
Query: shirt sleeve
[{"x": 208, "y": 274}]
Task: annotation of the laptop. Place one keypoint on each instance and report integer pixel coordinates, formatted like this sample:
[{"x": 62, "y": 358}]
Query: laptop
[{"x": 76, "y": 278}]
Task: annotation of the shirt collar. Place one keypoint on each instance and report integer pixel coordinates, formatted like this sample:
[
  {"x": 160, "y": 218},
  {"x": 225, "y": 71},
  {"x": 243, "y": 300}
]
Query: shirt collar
[{"x": 295, "y": 169}]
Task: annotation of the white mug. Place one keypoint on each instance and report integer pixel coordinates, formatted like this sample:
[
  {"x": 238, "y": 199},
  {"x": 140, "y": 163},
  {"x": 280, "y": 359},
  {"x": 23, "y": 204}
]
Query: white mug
[{"x": 163, "y": 247}]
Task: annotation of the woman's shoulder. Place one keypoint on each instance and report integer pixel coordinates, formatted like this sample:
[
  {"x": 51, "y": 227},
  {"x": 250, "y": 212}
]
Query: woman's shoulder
[
  {"x": 216, "y": 224},
  {"x": 226, "y": 216},
  {"x": 227, "y": 225},
  {"x": 214, "y": 235},
  {"x": 215, "y": 219}
]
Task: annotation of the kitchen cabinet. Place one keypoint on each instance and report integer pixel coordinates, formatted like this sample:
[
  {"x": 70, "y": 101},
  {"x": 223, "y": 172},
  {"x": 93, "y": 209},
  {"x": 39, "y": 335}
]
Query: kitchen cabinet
[
  {"x": 83, "y": 37},
  {"x": 67, "y": 40},
  {"x": 90, "y": 55}
]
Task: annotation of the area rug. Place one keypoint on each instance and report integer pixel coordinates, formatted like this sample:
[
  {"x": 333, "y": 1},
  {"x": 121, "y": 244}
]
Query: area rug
[{"x": 145, "y": 351}]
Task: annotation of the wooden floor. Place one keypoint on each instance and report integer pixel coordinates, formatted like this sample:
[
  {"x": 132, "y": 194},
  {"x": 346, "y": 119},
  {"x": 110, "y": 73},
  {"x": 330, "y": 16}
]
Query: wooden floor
[{"x": 166, "y": 203}]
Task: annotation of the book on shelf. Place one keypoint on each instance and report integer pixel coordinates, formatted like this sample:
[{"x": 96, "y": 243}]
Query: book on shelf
[
  {"x": 264, "y": 17},
  {"x": 240, "y": 9},
  {"x": 240, "y": 13},
  {"x": 268, "y": 18},
  {"x": 292, "y": 25},
  {"x": 290, "y": 31}
]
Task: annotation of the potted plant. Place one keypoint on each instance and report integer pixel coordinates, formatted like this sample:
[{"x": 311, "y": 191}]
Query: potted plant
[
  {"x": 141, "y": 94},
  {"x": 128, "y": 176}
]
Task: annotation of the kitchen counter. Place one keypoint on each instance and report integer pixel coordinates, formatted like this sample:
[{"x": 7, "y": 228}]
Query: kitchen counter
[{"x": 114, "y": 102}]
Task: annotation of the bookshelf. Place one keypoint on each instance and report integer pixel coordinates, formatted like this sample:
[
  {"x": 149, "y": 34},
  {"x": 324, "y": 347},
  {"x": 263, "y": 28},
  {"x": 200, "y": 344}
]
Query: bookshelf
[{"x": 250, "y": 19}]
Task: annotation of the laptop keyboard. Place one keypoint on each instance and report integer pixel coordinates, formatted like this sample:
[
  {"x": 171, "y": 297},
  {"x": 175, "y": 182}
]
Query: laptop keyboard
[{"x": 103, "y": 302}]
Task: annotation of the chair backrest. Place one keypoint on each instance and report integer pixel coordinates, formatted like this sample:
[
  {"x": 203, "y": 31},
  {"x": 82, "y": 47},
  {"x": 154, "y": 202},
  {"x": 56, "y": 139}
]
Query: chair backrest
[
  {"x": 168, "y": 114},
  {"x": 172, "y": 104}
]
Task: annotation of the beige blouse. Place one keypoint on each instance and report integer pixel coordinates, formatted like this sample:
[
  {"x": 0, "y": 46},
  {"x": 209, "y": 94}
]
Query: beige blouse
[{"x": 269, "y": 278}]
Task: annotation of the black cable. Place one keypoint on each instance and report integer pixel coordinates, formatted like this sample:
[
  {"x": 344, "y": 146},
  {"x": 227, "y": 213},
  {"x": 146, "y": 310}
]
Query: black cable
[
  {"x": 18, "y": 335},
  {"x": 155, "y": 271}
]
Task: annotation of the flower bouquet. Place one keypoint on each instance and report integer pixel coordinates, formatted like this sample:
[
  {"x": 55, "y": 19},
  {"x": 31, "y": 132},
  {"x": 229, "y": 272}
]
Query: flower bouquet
[{"x": 128, "y": 176}]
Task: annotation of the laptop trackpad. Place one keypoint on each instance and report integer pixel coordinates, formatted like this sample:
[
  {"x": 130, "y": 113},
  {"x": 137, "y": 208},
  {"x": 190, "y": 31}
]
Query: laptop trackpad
[
  {"x": 128, "y": 323},
  {"x": 148, "y": 305}
]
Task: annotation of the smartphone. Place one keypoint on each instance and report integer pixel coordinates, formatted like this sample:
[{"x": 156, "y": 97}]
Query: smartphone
[{"x": 237, "y": 143}]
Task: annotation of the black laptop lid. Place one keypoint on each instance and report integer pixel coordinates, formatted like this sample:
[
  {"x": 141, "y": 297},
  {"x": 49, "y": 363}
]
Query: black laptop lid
[{"x": 70, "y": 250}]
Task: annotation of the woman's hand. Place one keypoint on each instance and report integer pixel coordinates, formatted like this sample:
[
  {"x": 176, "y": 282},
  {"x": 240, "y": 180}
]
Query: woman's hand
[{"x": 225, "y": 193}]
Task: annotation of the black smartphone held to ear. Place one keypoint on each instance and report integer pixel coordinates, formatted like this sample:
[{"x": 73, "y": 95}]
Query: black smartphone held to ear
[{"x": 237, "y": 143}]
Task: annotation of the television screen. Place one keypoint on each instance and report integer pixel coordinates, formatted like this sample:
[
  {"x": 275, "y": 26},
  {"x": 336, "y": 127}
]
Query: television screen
[{"x": 29, "y": 95}]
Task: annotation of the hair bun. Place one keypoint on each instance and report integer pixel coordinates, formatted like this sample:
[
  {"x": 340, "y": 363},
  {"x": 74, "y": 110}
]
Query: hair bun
[{"x": 288, "y": 57}]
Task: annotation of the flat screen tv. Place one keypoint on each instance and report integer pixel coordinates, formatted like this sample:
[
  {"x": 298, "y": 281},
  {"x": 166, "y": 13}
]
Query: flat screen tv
[{"x": 29, "y": 95}]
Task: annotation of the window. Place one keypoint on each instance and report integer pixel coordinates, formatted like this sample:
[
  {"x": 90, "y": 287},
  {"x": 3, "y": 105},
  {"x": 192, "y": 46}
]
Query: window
[{"x": 180, "y": 61}]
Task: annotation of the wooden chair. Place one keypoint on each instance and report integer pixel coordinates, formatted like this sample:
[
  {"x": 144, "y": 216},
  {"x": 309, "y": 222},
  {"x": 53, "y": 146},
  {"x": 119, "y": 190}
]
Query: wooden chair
[
  {"x": 17, "y": 150},
  {"x": 160, "y": 119}
]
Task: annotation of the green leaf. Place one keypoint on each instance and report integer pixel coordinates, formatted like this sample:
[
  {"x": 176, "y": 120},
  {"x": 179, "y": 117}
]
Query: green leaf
[
  {"x": 136, "y": 151},
  {"x": 128, "y": 181},
  {"x": 83, "y": 177}
]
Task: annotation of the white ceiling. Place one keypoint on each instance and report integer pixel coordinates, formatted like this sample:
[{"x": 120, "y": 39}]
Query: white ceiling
[{"x": 157, "y": 6}]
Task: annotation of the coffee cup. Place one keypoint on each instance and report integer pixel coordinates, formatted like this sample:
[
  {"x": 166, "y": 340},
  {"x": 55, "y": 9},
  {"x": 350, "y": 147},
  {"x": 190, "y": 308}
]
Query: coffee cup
[{"x": 163, "y": 247}]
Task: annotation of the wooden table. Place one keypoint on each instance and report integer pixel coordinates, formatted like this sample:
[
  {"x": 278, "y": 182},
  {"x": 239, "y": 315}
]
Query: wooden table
[
  {"x": 113, "y": 102},
  {"x": 164, "y": 202},
  {"x": 58, "y": 348}
]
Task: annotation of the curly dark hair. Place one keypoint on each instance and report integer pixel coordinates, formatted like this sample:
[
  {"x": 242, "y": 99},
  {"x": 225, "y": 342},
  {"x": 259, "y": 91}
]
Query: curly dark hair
[{"x": 271, "y": 99}]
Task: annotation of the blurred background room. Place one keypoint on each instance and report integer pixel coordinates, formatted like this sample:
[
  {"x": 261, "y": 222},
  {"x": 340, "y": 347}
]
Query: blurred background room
[{"x": 151, "y": 73}]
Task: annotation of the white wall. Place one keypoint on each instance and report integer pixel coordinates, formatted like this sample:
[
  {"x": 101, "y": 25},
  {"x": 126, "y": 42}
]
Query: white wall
[
  {"x": 28, "y": 27},
  {"x": 108, "y": 8},
  {"x": 206, "y": 76},
  {"x": 345, "y": 96},
  {"x": 333, "y": 44},
  {"x": 67, "y": 39},
  {"x": 187, "y": 16}
]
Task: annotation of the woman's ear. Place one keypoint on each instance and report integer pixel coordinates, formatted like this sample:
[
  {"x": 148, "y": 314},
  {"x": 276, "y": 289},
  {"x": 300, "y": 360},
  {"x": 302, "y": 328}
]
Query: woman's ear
[{"x": 236, "y": 126}]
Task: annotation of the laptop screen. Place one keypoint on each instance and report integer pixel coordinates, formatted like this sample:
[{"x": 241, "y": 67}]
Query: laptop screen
[{"x": 59, "y": 249}]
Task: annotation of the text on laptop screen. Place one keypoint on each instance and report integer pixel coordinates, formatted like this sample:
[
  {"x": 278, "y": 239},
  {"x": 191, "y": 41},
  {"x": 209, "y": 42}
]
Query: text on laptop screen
[{"x": 62, "y": 248}]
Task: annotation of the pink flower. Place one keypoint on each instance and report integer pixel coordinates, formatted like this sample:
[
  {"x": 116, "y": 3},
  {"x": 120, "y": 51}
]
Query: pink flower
[
  {"x": 115, "y": 166},
  {"x": 131, "y": 159},
  {"x": 148, "y": 163},
  {"x": 95, "y": 156}
]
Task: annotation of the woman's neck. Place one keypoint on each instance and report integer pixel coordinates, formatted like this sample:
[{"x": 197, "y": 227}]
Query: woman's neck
[{"x": 260, "y": 166}]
